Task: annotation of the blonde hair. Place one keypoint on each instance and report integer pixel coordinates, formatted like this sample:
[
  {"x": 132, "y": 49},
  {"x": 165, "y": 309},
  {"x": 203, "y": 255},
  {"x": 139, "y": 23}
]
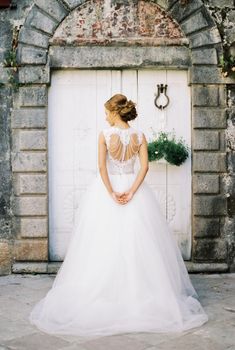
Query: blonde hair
[{"x": 120, "y": 104}]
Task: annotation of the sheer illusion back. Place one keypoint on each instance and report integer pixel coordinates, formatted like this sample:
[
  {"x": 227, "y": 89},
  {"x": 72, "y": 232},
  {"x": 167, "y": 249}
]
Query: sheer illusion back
[{"x": 122, "y": 148}]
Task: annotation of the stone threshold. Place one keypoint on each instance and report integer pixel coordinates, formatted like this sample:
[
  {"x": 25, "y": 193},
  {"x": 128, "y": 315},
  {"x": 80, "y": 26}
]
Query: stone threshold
[{"x": 53, "y": 267}]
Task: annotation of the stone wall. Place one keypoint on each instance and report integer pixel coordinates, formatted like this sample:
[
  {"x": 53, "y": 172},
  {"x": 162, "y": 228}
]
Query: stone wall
[{"x": 31, "y": 27}]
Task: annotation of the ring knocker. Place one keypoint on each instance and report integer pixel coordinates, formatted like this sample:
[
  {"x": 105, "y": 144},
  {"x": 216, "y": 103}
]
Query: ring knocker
[{"x": 161, "y": 90}]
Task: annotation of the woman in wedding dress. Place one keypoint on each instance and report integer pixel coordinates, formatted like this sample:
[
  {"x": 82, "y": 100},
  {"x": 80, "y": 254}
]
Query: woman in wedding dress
[{"x": 123, "y": 270}]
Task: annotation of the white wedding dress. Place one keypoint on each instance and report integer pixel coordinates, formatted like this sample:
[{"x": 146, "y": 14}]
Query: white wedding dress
[{"x": 123, "y": 270}]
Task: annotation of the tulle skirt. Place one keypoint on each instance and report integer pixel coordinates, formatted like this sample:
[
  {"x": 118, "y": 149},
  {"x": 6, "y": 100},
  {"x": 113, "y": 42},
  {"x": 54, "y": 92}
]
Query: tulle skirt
[{"x": 123, "y": 270}]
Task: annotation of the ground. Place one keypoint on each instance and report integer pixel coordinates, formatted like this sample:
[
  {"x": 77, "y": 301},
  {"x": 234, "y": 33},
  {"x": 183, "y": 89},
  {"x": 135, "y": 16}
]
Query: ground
[{"x": 18, "y": 294}]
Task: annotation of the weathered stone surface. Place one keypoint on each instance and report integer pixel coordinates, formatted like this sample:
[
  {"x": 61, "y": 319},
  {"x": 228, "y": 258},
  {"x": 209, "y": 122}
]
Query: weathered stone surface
[
  {"x": 209, "y": 118},
  {"x": 53, "y": 7},
  {"x": 73, "y": 3},
  {"x": 205, "y": 183},
  {"x": 39, "y": 20},
  {"x": 29, "y": 118},
  {"x": 221, "y": 3},
  {"x": 209, "y": 162},
  {"x": 210, "y": 205},
  {"x": 33, "y": 96},
  {"x": 194, "y": 22},
  {"x": 31, "y": 55},
  {"x": 206, "y": 227},
  {"x": 29, "y": 267},
  {"x": 32, "y": 140},
  {"x": 30, "y": 183},
  {"x": 206, "y": 140},
  {"x": 205, "y": 95},
  {"x": 53, "y": 267},
  {"x": 112, "y": 56},
  {"x": 5, "y": 258},
  {"x": 29, "y": 161},
  {"x": 33, "y": 205},
  {"x": 32, "y": 74},
  {"x": 206, "y": 267},
  {"x": 206, "y": 37},
  {"x": 179, "y": 12},
  {"x": 4, "y": 75},
  {"x": 33, "y": 227},
  {"x": 204, "y": 56},
  {"x": 210, "y": 249},
  {"x": 32, "y": 37},
  {"x": 5, "y": 34},
  {"x": 202, "y": 74},
  {"x": 30, "y": 250},
  {"x": 145, "y": 22}
]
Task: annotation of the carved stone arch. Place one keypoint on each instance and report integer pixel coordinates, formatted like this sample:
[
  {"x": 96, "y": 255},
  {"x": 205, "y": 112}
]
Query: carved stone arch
[
  {"x": 44, "y": 18},
  {"x": 39, "y": 50}
]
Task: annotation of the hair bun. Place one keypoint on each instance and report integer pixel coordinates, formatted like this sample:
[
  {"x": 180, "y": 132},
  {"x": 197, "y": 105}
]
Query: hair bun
[{"x": 126, "y": 108}]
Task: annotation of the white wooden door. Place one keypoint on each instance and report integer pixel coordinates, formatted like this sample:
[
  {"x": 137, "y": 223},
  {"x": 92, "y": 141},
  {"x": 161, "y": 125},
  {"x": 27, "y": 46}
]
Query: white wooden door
[{"x": 76, "y": 115}]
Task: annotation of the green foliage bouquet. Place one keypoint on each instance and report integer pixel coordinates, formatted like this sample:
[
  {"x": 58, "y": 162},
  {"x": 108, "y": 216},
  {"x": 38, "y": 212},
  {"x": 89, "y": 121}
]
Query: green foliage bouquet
[{"x": 166, "y": 146}]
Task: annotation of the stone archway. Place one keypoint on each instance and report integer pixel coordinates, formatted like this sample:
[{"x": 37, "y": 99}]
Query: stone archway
[{"x": 41, "y": 48}]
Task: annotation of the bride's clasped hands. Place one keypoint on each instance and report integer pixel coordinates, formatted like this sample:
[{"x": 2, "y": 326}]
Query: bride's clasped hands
[{"x": 122, "y": 198}]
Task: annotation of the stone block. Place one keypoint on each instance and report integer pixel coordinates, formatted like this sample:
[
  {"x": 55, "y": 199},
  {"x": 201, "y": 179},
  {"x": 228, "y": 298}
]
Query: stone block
[
  {"x": 34, "y": 74},
  {"x": 4, "y": 75},
  {"x": 33, "y": 96},
  {"x": 53, "y": 7},
  {"x": 206, "y": 227},
  {"x": 33, "y": 205},
  {"x": 73, "y": 3},
  {"x": 5, "y": 258},
  {"x": 204, "y": 56},
  {"x": 199, "y": 74},
  {"x": 31, "y": 55},
  {"x": 205, "y": 95},
  {"x": 206, "y": 140},
  {"x": 209, "y": 162},
  {"x": 195, "y": 267},
  {"x": 180, "y": 12},
  {"x": 30, "y": 183},
  {"x": 119, "y": 56},
  {"x": 31, "y": 249},
  {"x": 29, "y": 118},
  {"x": 32, "y": 37},
  {"x": 39, "y": 20},
  {"x": 205, "y": 183},
  {"x": 33, "y": 227},
  {"x": 205, "y": 37},
  {"x": 29, "y": 161},
  {"x": 32, "y": 139},
  {"x": 205, "y": 117},
  {"x": 209, "y": 205},
  {"x": 193, "y": 23},
  {"x": 5, "y": 33},
  {"x": 53, "y": 267},
  {"x": 222, "y": 141},
  {"x": 29, "y": 267},
  {"x": 209, "y": 250},
  {"x": 223, "y": 95},
  {"x": 221, "y": 3}
]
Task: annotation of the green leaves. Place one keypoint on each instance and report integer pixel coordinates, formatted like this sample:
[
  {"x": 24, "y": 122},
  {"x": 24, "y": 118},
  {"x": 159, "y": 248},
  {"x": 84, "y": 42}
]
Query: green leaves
[{"x": 165, "y": 146}]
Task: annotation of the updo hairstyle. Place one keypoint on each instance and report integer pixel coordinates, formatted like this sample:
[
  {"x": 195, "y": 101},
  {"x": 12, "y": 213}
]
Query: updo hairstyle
[{"x": 119, "y": 103}]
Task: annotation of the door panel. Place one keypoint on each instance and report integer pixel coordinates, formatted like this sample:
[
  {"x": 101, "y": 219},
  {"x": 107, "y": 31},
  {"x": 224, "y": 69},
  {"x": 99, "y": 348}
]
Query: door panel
[{"x": 76, "y": 115}]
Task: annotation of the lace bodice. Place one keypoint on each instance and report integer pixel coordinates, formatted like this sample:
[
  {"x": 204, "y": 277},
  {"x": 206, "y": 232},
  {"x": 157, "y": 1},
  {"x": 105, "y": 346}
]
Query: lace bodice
[{"x": 122, "y": 148}]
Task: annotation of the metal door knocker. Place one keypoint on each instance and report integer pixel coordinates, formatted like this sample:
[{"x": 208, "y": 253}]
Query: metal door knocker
[{"x": 161, "y": 92}]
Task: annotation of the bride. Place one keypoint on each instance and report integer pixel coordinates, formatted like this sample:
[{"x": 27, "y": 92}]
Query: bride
[{"x": 123, "y": 270}]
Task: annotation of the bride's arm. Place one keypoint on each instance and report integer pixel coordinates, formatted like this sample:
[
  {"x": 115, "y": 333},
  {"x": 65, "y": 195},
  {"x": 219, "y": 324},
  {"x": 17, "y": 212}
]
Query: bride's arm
[
  {"x": 144, "y": 165},
  {"x": 102, "y": 162}
]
